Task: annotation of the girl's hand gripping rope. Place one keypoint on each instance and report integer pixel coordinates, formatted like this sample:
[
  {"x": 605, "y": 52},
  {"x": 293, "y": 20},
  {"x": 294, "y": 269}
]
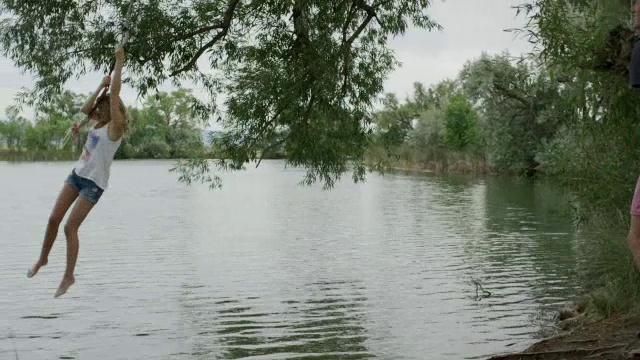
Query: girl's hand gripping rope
[
  {"x": 106, "y": 81},
  {"x": 104, "y": 85}
]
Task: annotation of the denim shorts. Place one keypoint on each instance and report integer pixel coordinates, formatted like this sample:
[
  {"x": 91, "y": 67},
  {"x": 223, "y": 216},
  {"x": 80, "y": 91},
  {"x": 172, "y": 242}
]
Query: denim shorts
[{"x": 87, "y": 188}]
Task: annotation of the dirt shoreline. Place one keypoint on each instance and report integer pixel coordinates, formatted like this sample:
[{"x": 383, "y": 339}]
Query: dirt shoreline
[{"x": 611, "y": 339}]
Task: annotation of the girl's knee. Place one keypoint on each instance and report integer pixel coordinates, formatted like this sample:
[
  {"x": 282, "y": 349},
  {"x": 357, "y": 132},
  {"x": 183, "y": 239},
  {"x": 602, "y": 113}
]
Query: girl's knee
[
  {"x": 55, "y": 221},
  {"x": 70, "y": 228}
]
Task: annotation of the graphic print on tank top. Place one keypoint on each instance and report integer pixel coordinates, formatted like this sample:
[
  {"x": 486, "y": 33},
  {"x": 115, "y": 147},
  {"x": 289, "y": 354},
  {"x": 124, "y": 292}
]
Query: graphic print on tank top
[{"x": 92, "y": 143}]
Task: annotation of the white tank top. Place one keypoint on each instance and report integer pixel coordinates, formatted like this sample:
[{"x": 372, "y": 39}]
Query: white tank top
[{"x": 95, "y": 162}]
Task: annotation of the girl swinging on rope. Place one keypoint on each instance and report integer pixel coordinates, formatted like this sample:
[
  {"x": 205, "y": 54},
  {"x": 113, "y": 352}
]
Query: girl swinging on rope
[{"x": 90, "y": 175}]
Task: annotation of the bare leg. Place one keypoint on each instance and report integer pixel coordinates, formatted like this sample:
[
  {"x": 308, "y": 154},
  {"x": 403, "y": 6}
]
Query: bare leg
[
  {"x": 77, "y": 216},
  {"x": 67, "y": 196}
]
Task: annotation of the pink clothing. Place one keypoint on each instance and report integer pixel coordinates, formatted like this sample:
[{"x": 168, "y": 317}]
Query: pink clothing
[{"x": 635, "y": 203}]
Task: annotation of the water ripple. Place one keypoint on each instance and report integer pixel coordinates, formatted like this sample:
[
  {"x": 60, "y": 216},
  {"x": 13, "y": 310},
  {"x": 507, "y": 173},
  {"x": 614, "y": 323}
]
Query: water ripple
[{"x": 264, "y": 269}]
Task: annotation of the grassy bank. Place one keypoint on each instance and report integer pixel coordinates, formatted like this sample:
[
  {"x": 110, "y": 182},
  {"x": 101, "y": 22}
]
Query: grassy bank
[
  {"x": 71, "y": 155},
  {"x": 611, "y": 339},
  {"x": 67, "y": 155},
  {"x": 437, "y": 161},
  {"x": 38, "y": 155}
]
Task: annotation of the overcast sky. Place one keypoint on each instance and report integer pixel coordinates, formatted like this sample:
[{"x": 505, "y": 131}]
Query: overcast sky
[{"x": 470, "y": 27}]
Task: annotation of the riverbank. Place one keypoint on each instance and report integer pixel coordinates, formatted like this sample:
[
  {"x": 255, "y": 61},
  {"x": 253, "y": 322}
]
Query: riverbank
[
  {"x": 439, "y": 162},
  {"x": 72, "y": 155},
  {"x": 614, "y": 338},
  {"x": 36, "y": 155},
  {"x": 64, "y": 155}
]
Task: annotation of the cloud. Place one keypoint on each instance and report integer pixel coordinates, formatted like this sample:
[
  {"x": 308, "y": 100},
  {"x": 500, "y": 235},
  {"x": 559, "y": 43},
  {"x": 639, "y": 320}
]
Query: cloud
[{"x": 470, "y": 27}]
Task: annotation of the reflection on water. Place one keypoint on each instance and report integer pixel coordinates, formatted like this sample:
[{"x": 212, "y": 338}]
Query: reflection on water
[
  {"x": 265, "y": 269},
  {"x": 329, "y": 323},
  {"x": 530, "y": 233}
]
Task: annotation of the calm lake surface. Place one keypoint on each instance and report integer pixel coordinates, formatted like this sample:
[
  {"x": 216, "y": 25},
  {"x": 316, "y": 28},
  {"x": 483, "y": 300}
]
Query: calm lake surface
[{"x": 267, "y": 269}]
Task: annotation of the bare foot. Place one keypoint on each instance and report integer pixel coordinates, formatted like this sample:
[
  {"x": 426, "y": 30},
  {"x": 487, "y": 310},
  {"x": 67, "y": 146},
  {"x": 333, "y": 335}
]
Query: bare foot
[
  {"x": 34, "y": 270},
  {"x": 66, "y": 282}
]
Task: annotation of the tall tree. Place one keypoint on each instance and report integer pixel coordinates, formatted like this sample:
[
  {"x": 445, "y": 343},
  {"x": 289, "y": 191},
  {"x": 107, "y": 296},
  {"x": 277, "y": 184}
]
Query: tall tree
[
  {"x": 587, "y": 44},
  {"x": 301, "y": 73},
  {"x": 460, "y": 123},
  {"x": 55, "y": 116},
  {"x": 14, "y": 128},
  {"x": 393, "y": 122},
  {"x": 519, "y": 104},
  {"x": 165, "y": 126}
]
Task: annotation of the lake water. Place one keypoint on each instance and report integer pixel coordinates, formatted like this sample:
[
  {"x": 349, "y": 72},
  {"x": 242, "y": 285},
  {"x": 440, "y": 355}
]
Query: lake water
[{"x": 266, "y": 269}]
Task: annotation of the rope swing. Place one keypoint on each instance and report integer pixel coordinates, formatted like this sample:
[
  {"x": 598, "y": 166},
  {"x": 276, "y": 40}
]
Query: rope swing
[{"x": 125, "y": 39}]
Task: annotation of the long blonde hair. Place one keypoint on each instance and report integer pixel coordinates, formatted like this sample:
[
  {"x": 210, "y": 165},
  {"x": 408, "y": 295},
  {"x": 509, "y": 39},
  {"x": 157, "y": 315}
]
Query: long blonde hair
[{"x": 103, "y": 107}]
